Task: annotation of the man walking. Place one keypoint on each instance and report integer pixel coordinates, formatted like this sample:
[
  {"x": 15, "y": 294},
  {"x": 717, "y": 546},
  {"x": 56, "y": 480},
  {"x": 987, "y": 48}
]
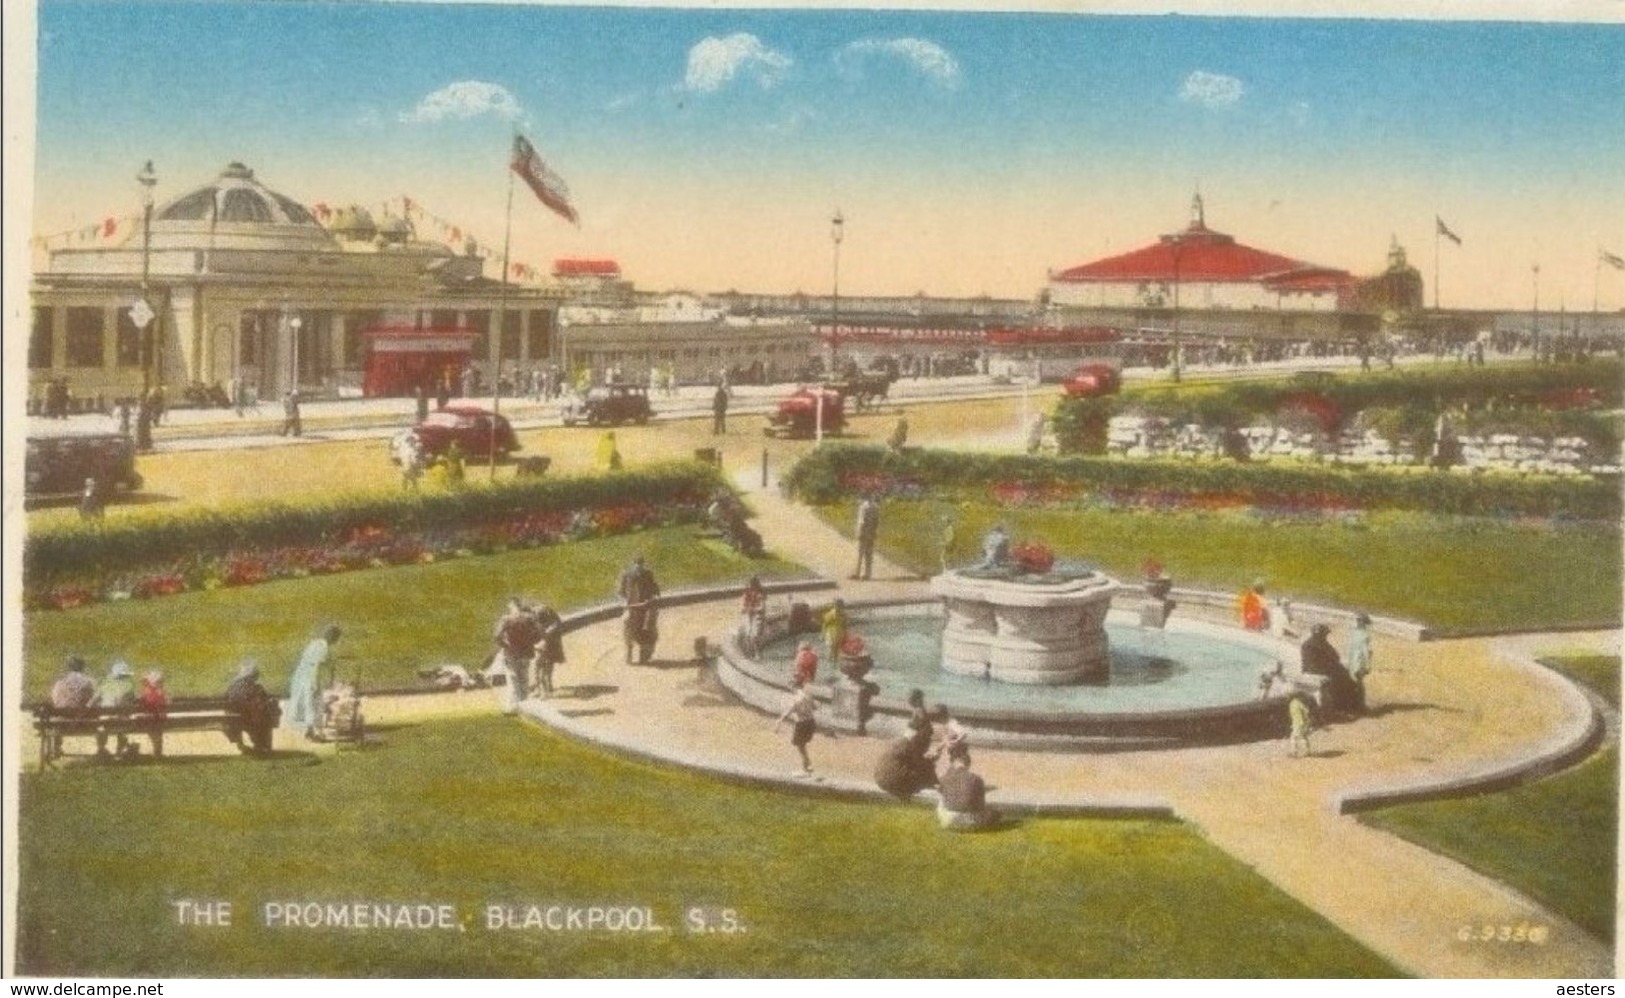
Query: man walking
[
  {"x": 638, "y": 589},
  {"x": 516, "y": 636},
  {"x": 719, "y": 410},
  {"x": 290, "y": 414},
  {"x": 868, "y": 528}
]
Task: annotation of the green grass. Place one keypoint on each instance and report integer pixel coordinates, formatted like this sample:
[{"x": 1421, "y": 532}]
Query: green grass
[
  {"x": 495, "y": 811},
  {"x": 1555, "y": 840},
  {"x": 395, "y": 620},
  {"x": 1600, "y": 672},
  {"x": 1450, "y": 573}
]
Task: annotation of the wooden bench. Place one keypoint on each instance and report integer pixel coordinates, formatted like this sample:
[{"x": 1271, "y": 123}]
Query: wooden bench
[{"x": 182, "y": 714}]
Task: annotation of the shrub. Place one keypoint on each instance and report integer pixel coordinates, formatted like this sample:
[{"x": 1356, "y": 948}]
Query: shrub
[
  {"x": 1017, "y": 479},
  {"x": 389, "y": 526}
]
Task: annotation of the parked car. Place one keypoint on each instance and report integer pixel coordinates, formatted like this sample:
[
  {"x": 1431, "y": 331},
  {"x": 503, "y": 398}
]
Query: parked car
[
  {"x": 798, "y": 414},
  {"x": 1091, "y": 380},
  {"x": 608, "y": 406},
  {"x": 471, "y": 426},
  {"x": 58, "y": 464}
]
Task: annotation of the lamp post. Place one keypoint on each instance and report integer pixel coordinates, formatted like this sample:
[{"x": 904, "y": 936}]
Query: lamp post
[
  {"x": 296, "y": 324},
  {"x": 148, "y": 179},
  {"x": 837, "y": 231},
  {"x": 1535, "y": 334},
  {"x": 1178, "y": 249}
]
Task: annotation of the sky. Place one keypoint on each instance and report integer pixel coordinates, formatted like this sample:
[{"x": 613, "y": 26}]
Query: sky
[{"x": 968, "y": 153}]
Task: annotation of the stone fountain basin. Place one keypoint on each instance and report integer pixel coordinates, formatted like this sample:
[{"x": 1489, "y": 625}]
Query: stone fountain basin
[{"x": 1169, "y": 711}]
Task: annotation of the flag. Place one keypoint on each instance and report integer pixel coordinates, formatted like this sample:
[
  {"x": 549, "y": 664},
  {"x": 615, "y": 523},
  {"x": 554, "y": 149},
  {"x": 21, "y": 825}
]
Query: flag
[
  {"x": 1444, "y": 230},
  {"x": 548, "y": 186},
  {"x": 1618, "y": 263}
]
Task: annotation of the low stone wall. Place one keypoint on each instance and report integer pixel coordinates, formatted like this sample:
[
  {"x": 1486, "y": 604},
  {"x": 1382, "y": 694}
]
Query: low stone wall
[{"x": 1154, "y": 437}]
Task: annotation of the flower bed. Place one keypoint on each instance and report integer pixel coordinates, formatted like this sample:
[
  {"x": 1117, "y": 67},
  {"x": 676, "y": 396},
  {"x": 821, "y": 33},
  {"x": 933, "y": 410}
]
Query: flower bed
[
  {"x": 1030, "y": 481},
  {"x": 78, "y": 564}
]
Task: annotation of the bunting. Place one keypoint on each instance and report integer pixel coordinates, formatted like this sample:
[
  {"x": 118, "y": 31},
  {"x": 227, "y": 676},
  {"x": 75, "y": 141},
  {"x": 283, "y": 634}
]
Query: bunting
[
  {"x": 1616, "y": 262},
  {"x": 1444, "y": 230}
]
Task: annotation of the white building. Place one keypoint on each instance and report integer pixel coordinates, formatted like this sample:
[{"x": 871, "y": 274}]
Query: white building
[{"x": 246, "y": 284}]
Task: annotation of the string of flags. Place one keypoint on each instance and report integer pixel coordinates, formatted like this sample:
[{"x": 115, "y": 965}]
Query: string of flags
[
  {"x": 107, "y": 230},
  {"x": 449, "y": 231},
  {"x": 115, "y": 228}
]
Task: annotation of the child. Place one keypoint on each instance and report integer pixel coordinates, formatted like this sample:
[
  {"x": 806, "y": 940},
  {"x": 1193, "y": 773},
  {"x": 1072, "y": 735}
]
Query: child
[
  {"x": 1297, "y": 711},
  {"x": 801, "y": 710},
  {"x": 752, "y": 616},
  {"x": 1281, "y": 624}
]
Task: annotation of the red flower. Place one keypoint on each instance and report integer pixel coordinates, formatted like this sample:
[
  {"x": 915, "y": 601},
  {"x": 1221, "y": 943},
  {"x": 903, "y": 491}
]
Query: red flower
[{"x": 1032, "y": 557}]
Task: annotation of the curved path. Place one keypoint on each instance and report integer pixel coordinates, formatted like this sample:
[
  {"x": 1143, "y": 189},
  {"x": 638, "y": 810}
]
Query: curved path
[{"x": 1443, "y": 711}]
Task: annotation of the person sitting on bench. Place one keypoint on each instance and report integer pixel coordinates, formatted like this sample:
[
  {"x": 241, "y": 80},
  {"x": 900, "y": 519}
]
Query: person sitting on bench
[
  {"x": 117, "y": 690},
  {"x": 257, "y": 710}
]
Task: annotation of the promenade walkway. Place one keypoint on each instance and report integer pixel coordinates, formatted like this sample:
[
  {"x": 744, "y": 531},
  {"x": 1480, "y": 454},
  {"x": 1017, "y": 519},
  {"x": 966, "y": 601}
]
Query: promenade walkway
[{"x": 1441, "y": 710}]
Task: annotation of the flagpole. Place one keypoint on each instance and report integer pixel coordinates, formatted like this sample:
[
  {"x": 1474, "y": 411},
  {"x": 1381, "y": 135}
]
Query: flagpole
[
  {"x": 502, "y": 316},
  {"x": 1436, "y": 233},
  {"x": 1596, "y": 284}
]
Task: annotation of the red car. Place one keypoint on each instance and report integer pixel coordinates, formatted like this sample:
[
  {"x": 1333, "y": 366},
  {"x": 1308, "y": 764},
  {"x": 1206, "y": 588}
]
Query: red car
[
  {"x": 798, "y": 415},
  {"x": 472, "y": 428},
  {"x": 1091, "y": 380}
]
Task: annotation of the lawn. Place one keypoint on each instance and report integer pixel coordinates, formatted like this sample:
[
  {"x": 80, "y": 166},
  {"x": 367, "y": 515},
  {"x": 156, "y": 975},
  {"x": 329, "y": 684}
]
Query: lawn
[
  {"x": 1555, "y": 840},
  {"x": 1451, "y": 573},
  {"x": 492, "y": 811},
  {"x": 395, "y": 620}
]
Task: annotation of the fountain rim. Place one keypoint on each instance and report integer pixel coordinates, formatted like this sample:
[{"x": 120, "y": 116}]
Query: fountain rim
[{"x": 1255, "y": 719}]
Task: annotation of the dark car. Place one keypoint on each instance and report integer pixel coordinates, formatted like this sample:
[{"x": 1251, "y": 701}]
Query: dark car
[
  {"x": 58, "y": 464},
  {"x": 472, "y": 428},
  {"x": 1091, "y": 380},
  {"x": 609, "y": 406}
]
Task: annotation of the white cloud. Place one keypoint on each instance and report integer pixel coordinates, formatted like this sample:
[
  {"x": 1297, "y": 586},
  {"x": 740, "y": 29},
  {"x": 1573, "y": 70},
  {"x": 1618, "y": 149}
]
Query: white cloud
[
  {"x": 1211, "y": 89},
  {"x": 624, "y": 101},
  {"x": 464, "y": 99},
  {"x": 930, "y": 59},
  {"x": 1299, "y": 112},
  {"x": 714, "y": 62}
]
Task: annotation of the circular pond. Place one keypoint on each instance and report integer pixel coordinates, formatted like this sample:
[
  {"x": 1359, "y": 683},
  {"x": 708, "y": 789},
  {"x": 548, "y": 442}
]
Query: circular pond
[{"x": 1190, "y": 682}]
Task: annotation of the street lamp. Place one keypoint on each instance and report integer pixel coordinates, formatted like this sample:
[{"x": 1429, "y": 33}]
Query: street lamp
[
  {"x": 1535, "y": 333},
  {"x": 1178, "y": 249},
  {"x": 837, "y": 230},
  {"x": 148, "y": 179},
  {"x": 295, "y": 323}
]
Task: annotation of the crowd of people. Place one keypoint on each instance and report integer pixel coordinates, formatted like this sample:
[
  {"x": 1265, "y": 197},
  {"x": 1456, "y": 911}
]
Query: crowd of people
[{"x": 314, "y": 698}]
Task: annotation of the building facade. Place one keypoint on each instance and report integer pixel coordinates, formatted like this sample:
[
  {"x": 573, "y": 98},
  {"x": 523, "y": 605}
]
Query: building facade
[
  {"x": 1201, "y": 269},
  {"x": 245, "y": 286}
]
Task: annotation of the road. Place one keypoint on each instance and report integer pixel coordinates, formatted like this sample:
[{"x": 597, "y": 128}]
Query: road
[{"x": 209, "y": 457}]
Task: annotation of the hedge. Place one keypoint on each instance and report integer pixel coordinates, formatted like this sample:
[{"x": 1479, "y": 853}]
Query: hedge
[
  {"x": 75, "y": 549},
  {"x": 1530, "y": 387},
  {"x": 834, "y": 472}
]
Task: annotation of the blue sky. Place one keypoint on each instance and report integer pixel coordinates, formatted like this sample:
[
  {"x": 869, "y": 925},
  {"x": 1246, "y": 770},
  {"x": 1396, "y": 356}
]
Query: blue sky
[{"x": 968, "y": 152}]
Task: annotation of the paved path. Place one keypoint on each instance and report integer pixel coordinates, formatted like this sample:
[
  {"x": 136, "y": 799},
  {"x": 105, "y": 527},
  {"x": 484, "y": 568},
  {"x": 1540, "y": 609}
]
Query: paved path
[{"x": 1440, "y": 709}]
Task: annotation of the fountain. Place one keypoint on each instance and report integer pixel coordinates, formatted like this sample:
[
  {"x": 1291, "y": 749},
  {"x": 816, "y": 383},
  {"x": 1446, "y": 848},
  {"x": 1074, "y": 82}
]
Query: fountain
[{"x": 1030, "y": 653}]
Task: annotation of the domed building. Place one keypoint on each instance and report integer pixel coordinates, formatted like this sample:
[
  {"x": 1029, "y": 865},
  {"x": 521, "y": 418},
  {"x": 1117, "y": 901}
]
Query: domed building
[
  {"x": 246, "y": 284},
  {"x": 1204, "y": 269}
]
